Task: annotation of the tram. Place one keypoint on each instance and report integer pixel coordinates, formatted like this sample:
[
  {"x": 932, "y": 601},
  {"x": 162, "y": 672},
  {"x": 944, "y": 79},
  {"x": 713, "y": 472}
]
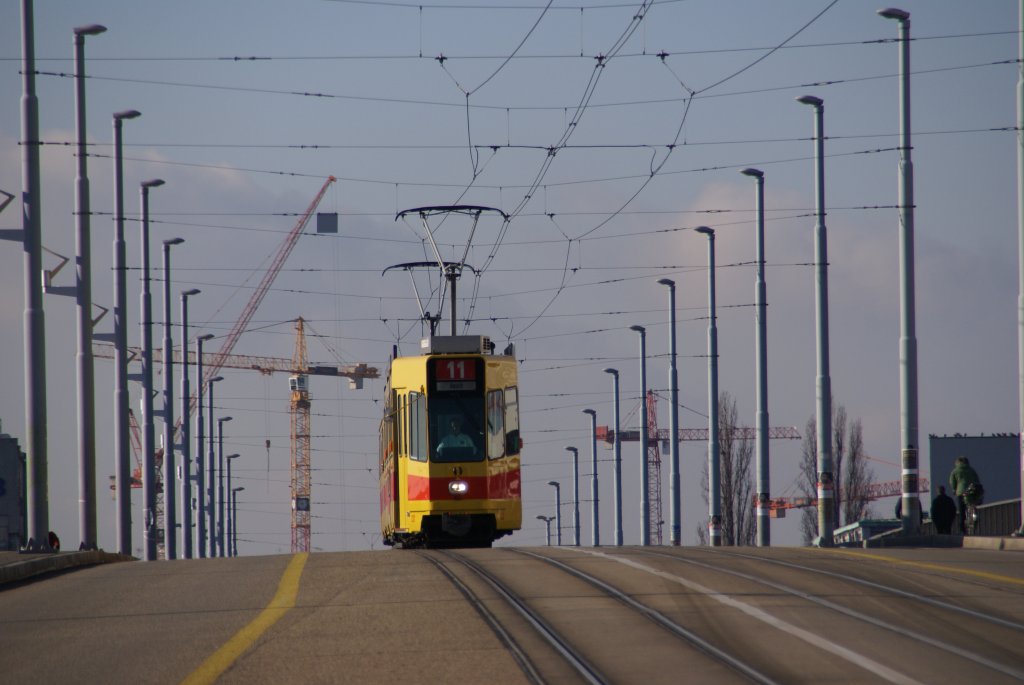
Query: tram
[{"x": 450, "y": 446}]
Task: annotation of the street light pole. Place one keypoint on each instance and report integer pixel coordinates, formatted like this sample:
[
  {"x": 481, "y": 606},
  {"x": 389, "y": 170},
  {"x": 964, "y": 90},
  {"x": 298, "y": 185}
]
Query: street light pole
[
  {"x": 234, "y": 520},
  {"x": 83, "y": 308},
  {"x": 547, "y": 524},
  {"x": 1020, "y": 251},
  {"x": 230, "y": 458},
  {"x": 575, "y": 495},
  {"x": 673, "y": 384},
  {"x": 645, "y": 495},
  {"x": 186, "y": 447},
  {"x": 37, "y": 507},
  {"x": 617, "y": 463},
  {"x": 826, "y": 480},
  {"x": 149, "y": 529},
  {"x": 761, "y": 363},
  {"x": 211, "y": 462},
  {"x": 170, "y": 513},
  {"x": 200, "y": 450},
  {"x": 122, "y": 439},
  {"x": 911, "y": 505},
  {"x": 220, "y": 484},
  {"x": 593, "y": 477},
  {"x": 558, "y": 510},
  {"x": 714, "y": 466}
]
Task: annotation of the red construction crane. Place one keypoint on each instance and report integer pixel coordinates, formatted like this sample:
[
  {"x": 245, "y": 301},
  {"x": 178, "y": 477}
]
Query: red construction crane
[
  {"x": 290, "y": 240},
  {"x": 656, "y": 435},
  {"x": 777, "y": 506}
]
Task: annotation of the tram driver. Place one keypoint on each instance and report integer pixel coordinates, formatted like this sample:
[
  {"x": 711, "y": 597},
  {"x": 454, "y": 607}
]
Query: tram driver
[{"x": 456, "y": 439}]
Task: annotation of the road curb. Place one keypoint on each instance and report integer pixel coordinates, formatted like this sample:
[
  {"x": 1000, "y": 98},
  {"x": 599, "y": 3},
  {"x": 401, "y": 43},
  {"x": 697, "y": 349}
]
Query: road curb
[
  {"x": 967, "y": 542},
  {"x": 31, "y": 565}
]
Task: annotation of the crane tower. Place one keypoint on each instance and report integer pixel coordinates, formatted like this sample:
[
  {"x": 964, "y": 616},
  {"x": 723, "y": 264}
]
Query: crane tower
[{"x": 298, "y": 383}]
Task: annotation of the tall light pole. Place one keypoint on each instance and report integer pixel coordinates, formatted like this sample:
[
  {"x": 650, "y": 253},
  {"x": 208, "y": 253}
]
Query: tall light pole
[
  {"x": 227, "y": 553},
  {"x": 1020, "y": 248},
  {"x": 617, "y": 463},
  {"x": 547, "y": 524},
  {"x": 911, "y": 505},
  {"x": 558, "y": 510},
  {"x": 673, "y": 384},
  {"x": 826, "y": 480},
  {"x": 83, "y": 308},
  {"x": 714, "y": 466},
  {"x": 764, "y": 535},
  {"x": 220, "y": 484},
  {"x": 36, "y": 481},
  {"x": 122, "y": 439},
  {"x": 596, "y": 533},
  {"x": 234, "y": 520},
  {"x": 186, "y": 447},
  {"x": 201, "y": 515},
  {"x": 170, "y": 512},
  {"x": 645, "y": 495},
  {"x": 575, "y": 495},
  {"x": 211, "y": 463},
  {"x": 149, "y": 529}
]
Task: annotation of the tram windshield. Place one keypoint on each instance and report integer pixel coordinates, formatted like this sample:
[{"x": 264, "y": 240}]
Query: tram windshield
[{"x": 456, "y": 422}]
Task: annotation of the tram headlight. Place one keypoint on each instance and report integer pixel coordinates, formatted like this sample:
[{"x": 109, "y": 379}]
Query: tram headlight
[{"x": 458, "y": 487}]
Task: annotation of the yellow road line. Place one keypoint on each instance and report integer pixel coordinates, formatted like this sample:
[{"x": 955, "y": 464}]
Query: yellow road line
[
  {"x": 930, "y": 567},
  {"x": 223, "y": 658}
]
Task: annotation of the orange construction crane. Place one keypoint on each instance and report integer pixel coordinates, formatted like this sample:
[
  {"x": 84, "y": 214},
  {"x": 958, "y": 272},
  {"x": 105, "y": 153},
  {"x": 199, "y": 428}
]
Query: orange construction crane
[
  {"x": 356, "y": 373},
  {"x": 663, "y": 435},
  {"x": 777, "y": 506},
  {"x": 298, "y": 383}
]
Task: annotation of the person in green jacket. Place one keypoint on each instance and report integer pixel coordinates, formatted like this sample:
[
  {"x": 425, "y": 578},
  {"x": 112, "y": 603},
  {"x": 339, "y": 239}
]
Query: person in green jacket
[{"x": 960, "y": 479}]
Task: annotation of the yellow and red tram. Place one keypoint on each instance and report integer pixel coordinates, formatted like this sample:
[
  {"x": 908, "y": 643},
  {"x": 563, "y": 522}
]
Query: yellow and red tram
[{"x": 450, "y": 446}]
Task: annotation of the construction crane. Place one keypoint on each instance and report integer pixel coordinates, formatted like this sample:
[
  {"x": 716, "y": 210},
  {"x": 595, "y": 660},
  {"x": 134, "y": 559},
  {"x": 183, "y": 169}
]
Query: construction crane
[
  {"x": 777, "y": 506},
  {"x": 254, "y": 302},
  {"x": 662, "y": 436},
  {"x": 298, "y": 383},
  {"x": 299, "y": 369},
  {"x": 356, "y": 373}
]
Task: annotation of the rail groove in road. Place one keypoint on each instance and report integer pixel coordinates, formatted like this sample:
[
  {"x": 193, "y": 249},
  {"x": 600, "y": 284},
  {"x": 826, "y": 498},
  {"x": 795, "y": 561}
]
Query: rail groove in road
[
  {"x": 561, "y": 645},
  {"x": 914, "y": 635},
  {"x": 590, "y": 661}
]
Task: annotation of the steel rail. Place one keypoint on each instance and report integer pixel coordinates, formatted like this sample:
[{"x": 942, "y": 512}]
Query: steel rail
[
  {"x": 944, "y": 645},
  {"x": 517, "y": 652},
  {"x": 583, "y": 667},
  {"x": 659, "y": 619}
]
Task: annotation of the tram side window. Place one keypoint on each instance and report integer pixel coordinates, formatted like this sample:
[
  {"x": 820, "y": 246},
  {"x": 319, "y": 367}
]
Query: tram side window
[
  {"x": 512, "y": 420},
  {"x": 417, "y": 427},
  {"x": 401, "y": 427},
  {"x": 495, "y": 425}
]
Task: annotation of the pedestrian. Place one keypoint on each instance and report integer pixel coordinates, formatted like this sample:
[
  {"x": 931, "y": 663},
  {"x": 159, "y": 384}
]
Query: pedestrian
[
  {"x": 943, "y": 512},
  {"x": 961, "y": 478}
]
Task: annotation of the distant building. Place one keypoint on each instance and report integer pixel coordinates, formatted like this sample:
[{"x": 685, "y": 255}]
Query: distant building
[
  {"x": 12, "y": 494},
  {"x": 995, "y": 457}
]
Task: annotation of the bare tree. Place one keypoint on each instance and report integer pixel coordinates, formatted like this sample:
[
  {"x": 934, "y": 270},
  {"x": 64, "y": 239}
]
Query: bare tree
[
  {"x": 857, "y": 478},
  {"x": 850, "y": 466},
  {"x": 739, "y": 526}
]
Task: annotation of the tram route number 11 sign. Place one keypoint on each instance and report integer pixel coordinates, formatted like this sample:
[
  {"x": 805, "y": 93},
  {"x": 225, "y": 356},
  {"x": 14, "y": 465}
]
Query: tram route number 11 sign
[{"x": 455, "y": 374}]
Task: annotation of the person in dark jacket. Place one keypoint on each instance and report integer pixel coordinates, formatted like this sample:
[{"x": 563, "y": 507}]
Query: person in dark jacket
[
  {"x": 943, "y": 512},
  {"x": 960, "y": 479}
]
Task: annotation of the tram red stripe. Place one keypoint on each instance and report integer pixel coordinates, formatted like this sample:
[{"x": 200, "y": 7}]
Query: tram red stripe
[{"x": 499, "y": 486}]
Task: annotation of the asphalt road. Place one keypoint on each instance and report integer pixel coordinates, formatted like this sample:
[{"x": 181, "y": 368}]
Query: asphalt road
[{"x": 697, "y": 615}]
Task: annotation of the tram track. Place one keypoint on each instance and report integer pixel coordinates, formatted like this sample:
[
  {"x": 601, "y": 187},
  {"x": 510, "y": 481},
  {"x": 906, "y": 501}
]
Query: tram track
[
  {"x": 581, "y": 659},
  {"x": 964, "y": 653}
]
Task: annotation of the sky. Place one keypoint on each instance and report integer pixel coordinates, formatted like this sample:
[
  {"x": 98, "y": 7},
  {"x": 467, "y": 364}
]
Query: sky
[{"x": 608, "y": 131}]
